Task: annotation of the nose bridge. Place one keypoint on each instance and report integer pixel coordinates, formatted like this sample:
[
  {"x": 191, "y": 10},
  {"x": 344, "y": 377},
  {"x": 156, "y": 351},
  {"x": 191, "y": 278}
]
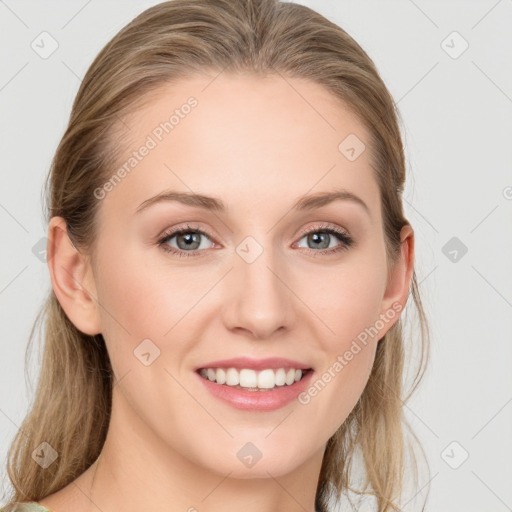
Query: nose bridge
[{"x": 260, "y": 301}]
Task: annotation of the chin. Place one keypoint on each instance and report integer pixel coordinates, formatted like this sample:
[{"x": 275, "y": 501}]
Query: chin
[{"x": 253, "y": 464}]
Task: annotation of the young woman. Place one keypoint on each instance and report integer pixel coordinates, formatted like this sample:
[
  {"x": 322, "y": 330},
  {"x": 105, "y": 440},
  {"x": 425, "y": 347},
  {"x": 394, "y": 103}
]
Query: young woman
[{"x": 229, "y": 261}]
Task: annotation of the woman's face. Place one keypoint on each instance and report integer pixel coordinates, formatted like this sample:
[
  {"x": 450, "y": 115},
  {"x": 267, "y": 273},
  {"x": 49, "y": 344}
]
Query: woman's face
[{"x": 263, "y": 277}]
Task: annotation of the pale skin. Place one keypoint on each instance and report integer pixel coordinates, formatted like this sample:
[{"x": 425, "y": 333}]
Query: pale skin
[{"x": 259, "y": 146}]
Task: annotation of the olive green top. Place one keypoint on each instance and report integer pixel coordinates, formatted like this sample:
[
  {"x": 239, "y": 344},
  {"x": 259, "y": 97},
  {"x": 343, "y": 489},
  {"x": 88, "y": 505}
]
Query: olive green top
[{"x": 31, "y": 506}]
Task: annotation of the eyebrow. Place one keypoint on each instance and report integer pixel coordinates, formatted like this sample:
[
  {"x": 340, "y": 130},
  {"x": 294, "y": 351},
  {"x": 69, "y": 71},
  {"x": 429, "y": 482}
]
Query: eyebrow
[{"x": 307, "y": 202}]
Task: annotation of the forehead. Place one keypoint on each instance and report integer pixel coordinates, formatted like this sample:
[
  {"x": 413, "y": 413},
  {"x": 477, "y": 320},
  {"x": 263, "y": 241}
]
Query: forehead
[{"x": 250, "y": 140}]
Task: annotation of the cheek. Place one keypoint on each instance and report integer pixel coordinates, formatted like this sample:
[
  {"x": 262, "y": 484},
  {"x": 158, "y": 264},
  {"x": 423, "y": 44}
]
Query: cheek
[
  {"x": 349, "y": 299},
  {"x": 131, "y": 302},
  {"x": 348, "y": 305},
  {"x": 142, "y": 301},
  {"x": 140, "y": 297}
]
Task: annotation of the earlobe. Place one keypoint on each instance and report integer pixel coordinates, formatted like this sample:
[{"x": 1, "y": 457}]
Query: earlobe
[
  {"x": 72, "y": 279},
  {"x": 397, "y": 289}
]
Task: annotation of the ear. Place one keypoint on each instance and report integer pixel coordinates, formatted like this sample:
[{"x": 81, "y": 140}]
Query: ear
[
  {"x": 397, "y": 289},
  {"x": 72, "y": 279}
]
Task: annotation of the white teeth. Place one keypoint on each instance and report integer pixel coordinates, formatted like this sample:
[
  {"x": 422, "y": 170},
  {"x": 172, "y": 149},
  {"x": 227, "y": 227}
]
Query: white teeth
[
  {"x": 221, "y": 376},
  {"x": 290, "y": 377},
  {"x": 266, "y": 379},
  {"x": 247, "y": 378},
  {"x": 232, "y": 377},
  {"x": 280, "y": 377}
]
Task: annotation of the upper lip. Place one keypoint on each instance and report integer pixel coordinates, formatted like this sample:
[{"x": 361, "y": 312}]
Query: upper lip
[{"x": 256, "y": 364}]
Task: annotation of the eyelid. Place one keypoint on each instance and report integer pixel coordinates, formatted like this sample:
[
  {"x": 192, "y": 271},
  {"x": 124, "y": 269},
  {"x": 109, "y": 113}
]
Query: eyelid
[
  {"x": 345, "y": 238},
  {"x": 170, "y": 233},
  {"x": 322, "y": 226},
  {"x": 343, "y": 235},
  {"x": 185, "y": 227}
]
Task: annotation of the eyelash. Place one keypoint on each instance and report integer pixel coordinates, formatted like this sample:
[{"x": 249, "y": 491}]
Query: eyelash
[{"x": 345, "y": 239}]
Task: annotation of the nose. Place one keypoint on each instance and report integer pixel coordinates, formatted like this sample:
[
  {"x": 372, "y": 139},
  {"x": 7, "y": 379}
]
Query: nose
[{"x": 259, "y": 298}]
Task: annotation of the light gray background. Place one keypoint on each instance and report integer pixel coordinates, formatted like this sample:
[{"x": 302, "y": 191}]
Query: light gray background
[{"x": 457, "y": 131}]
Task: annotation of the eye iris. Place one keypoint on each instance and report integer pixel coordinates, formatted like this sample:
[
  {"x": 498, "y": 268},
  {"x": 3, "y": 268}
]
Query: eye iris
[
  {"x": 323, "y": 238},
  {"x": 189, "y": 238}
]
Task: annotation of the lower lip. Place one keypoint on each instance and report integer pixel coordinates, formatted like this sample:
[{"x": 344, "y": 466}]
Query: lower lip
[{"x": 267, "y": 400}]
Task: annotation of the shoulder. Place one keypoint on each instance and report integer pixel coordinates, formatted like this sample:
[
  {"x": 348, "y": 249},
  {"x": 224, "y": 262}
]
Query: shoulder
[{"x": 31, "y": 506}]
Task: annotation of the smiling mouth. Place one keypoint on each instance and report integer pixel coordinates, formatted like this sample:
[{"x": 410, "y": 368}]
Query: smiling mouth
[{"x": 252, "y": 380}]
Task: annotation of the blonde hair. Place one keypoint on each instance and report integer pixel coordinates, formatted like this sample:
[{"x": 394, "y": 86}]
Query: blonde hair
[{"x": 173, "y": 40}]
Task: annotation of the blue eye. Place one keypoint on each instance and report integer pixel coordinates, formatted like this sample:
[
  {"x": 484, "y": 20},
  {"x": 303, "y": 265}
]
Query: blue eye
[
  {"x": 322, "y": 236},
  {"x": 189, "y": 241}
]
